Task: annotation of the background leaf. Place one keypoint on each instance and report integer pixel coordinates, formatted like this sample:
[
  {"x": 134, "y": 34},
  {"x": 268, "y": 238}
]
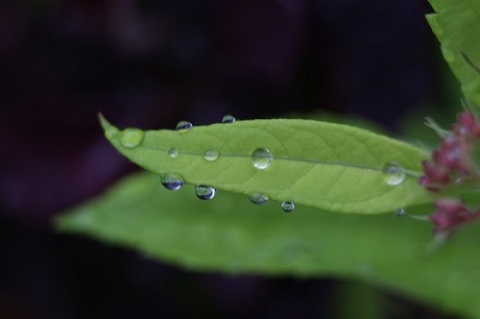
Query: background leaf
[
  {"x": 324, "y": 165},
  {"x": 230, "y": 234},
  {"x": 457, "y": 26}
]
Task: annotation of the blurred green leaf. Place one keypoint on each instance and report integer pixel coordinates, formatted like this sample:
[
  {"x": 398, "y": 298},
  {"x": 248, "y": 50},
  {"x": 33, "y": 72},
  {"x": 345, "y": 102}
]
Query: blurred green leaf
[
  {"x": 230, "y": 234},
  {"x": 323, "y": 165},
  {"x": 456, "y": 24}
]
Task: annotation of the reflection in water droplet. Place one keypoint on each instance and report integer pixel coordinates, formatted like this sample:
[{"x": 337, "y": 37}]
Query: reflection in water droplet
[
  {"x": 394, "y": 174},
  {"x": 448, "y": 55},
  {"x": 172, "y": 181},
  {"x": 228, "y": 119},
  {"x": 261, "y": 158},
  {"x": 204, "y": 192},
  {"x": 131, "y": 137},
  {"x": 172, "y": 152},
  {"x": 258, "y": 199},
  {"x": 288, "y": 207},
  {"x": 111, "y": 132},
  {"x": 399, "y": 212},
  {"x": 210, "y": 155},
  {"x": 184, "y": 126}
]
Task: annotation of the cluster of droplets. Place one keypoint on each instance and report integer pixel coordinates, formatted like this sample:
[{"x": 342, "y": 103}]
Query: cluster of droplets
[
  {"x": 261, "y": 159},
  {"x": 453, "y": 166}
]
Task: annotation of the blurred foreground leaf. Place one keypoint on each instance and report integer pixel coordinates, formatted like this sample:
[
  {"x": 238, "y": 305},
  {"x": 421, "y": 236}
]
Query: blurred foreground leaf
[
  {"x": 328, "y": 166},
  {"x": 456, "y": 24},
  {"x": 230, "y": 234}
]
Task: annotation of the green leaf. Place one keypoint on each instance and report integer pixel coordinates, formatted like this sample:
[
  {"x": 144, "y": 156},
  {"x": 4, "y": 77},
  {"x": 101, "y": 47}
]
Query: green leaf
[
  {"x": 456, "y": 24},
  {"x": 323, "y": 165},
  {"x": 230, "y": 234}
]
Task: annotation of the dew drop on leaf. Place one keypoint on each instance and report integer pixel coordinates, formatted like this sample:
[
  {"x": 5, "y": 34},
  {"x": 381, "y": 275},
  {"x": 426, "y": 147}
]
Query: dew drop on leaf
[
  {"x": 172, "y": 182},
  {"x": 172, "y": 152},
  {"x": 399, "y": 212},
  {"x": 261, "y": 158},
  {"x": 111, "y": 132},
  {"x": 184, "y": 126},
  {"x": 448, "y": 55},
  {"x": 258, "y": 199},
  {"x": 228, "y": 119},
  {"x": 288, "y": 207},
  {"x": 394, "y": 174},
  {"x": 210, "y": 155},
  {"x": 131, "y": 137},
  {"x": 204, "y": 192}
]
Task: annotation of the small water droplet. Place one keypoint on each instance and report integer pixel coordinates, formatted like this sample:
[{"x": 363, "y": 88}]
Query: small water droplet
[
  {"x": 204, "y": 192},
  {"x": 173, "y": 152},
  {"x": 261, "y": 158},
  {"x": 288, "y": 207},
  {"x": 184, "y": 126},
  {"x": 258, "y": 199},
  {"x": 131, "y": 137},
  {"x": 448, "y": 55},
  {"x": 394, "y": 174},
  {"x": 435, "y": 26},
  {"x": 399, "y": 212},
  {"x": 228, "y": 119},
  {"x": 210, "y": 155},
  {"x": 172, "y": 182},
  {"x": 111, "y": 132}
]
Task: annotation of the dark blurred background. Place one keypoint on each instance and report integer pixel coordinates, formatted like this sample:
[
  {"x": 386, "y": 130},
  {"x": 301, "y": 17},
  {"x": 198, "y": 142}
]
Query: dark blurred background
[{"x": 151, "y": 64}]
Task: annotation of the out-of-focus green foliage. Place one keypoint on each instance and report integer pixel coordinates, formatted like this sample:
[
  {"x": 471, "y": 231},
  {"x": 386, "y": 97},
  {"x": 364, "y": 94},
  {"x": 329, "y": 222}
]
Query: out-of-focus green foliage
[
  {"x": 232, "y": 235},
  {"x": 456, "y": 24}
]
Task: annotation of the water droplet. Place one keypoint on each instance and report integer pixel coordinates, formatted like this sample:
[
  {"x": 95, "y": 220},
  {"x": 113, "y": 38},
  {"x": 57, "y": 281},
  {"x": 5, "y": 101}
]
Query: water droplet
[
  {"x": 184, "y": 126},
  {"x": 261, "y": 158},
  {"x": 204, "y": 192},
  {"x": 131, "y": 137},
  {"x": 394, "y": 174},
  {"x": 399, "y": 212},
  {"x": 210, "y": 155},
  {"x": 172, "y": 182},
  {"x": 111, "y": 132},
  {"x": 173, "y": 152},
  {"x": 228, "y": 119},
  {"x": 258, "y": 199},
  {"x": 288, "y": 207},
  {"x": 435, "y": 26},
  {"x": 448, "y": 55}
]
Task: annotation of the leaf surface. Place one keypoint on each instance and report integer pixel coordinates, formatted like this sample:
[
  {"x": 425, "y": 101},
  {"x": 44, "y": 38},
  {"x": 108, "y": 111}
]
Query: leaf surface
[
  {"x": 456, "y": 24},
  {"x": 317, "y": 164},
  {"x": 231, "y": 235}
]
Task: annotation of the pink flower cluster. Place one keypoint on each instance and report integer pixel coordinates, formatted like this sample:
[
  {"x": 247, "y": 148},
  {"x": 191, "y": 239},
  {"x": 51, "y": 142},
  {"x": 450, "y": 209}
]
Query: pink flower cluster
[
  {"x": 453, "y": 162},
  {"x": 453, "y": 165}
]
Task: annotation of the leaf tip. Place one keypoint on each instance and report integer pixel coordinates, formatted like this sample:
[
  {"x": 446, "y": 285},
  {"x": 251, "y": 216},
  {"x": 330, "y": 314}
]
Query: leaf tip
[{"x": 109, "y": 129}]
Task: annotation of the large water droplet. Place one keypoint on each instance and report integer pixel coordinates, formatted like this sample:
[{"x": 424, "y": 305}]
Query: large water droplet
[
  {"x": 399, "y": 212},
  {"x": 204, "y": 192},
  {"x": 210, "y": 155},
  {"x": 261, "y": 158},
  {"x": 131, "y": 137},
  {"x": 173, "y": 152},
  {"x": 228, "y": 119},
  {"x": 184, "y": 126},
  {"x": 172, "y": 181},
  {"x": 288, "y": 207},
  {"x": 394, "y": 174},
  {"x": 258, "y": 199},
  {"x": 448, "y": 55}
]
